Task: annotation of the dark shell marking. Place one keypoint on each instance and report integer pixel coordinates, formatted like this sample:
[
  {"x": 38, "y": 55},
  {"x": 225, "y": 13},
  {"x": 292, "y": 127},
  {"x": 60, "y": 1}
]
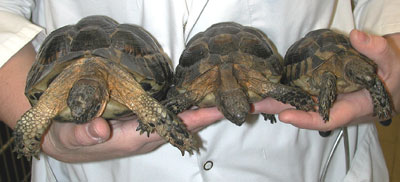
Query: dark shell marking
[
  {"x": 141, "y": 53},
  {"x": 231, "y": 66},
  {"x": 324, "y": 64},
  {"x": 99, "y": 68}
]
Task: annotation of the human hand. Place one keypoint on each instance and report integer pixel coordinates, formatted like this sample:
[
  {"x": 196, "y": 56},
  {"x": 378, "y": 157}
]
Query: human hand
[
  {"x": 357, "y": 106},
  {"x": 102, "y": 140}
]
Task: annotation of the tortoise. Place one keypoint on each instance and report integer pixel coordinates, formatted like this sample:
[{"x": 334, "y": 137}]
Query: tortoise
[
  {"x": 325, "y": 64},
  {"x": 231, "y": 66},
  {"x": 95, "y": 68}
]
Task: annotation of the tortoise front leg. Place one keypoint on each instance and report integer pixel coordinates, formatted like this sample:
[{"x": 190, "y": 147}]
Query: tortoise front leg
[
  {"x": 194, "y": 94},
  {"x": 30, "y": 128},
  {"x": 380, "y": 99},
  {"x": 288, "y": 95},
  {"x": 155, "y": 117},
  {"x": 283, "y": 93},
  {"x": 179, "y": 103},
  {"x": 327, "y": 94},
  {"x": 33, "y": 123},
  {"x": 270, "y": 117},
  {"x": 365, "y": 75},
  {"x": 152, "y": 115}
]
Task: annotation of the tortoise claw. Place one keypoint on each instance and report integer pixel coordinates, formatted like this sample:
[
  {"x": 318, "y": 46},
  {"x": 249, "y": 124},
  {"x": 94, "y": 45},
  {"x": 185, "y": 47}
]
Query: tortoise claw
[
  {"x": 381, "y": 99},
  {"x": 144, "y": 128},
  {"x": 26, "y": 148},
  {"x": 28, "y": 137},
  {"x": 190, "y": 150},
  {"x": 270, "y": 117}
]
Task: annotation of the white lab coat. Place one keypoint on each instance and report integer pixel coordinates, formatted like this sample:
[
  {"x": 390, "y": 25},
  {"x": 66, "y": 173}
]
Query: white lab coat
[{"x": 256, "y": 151}]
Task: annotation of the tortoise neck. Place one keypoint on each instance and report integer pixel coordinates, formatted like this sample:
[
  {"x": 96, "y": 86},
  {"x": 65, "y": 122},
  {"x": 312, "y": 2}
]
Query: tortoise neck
[{"x": 89, "y": 94}]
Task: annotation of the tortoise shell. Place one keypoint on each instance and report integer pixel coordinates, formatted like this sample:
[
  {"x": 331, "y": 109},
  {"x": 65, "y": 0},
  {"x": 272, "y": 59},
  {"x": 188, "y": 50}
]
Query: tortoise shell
[
  {"x": 206, "y": 51},
  {"x": 230, "y": 66},
  {"x": 325, "y": 64},
  {"x": 99, "y": 68},
  {"x": 322, "y": 50},
  {"x": 128, "y": 45}
]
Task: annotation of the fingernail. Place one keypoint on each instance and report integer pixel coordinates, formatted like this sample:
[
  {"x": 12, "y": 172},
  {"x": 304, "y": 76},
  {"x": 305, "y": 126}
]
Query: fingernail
[
  {"x": 93, "y": 133},
  {"x": 363, "y": 37}
]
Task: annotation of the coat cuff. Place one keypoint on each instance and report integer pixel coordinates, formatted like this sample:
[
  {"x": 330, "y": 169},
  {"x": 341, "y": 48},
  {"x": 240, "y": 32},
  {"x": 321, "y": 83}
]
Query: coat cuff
[{"x": 15, "y": 33}]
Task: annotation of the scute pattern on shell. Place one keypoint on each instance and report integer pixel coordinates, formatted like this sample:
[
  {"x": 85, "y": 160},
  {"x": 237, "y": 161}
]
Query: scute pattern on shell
[
  {"x": 325, "y": 64},
  {"x": 99, "y": 68},
  {"x": 230, "y": 66},
  {"x": 205, "y": 49},
  {"x": 140, "y": 53},
  {"x": 323, "y": 41}
]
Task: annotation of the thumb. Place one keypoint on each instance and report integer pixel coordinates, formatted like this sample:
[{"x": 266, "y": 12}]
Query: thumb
[
  {"x": 372, "y": 46},
  {"x": 91, "y": 133}
]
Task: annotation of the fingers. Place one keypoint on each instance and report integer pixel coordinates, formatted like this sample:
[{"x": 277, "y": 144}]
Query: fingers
[
  {"x": 374, "y": 47},
  {"x": 353, "y": 107},
  {"x": 62, "y": 137},
  {"x": 97, "y": 140},
  {"x": 269, "y": 106},
  {"x": 94, "y": 132},
  {"x": 100, "y": 140},
  {"x": 199, "y": 118},
  {"x": 205, "y": 116}
]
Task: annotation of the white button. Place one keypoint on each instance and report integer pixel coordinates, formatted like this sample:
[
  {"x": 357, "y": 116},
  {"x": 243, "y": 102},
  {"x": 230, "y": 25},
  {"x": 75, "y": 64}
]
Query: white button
[{"x": 208, "y": 165}]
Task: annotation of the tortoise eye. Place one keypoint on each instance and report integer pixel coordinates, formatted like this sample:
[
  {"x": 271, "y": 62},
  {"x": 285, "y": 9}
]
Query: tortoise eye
[
  {"x": 36, "y": 95},
  {"x": 146, "y": 86},
  {"x": 193, "y": 54}
]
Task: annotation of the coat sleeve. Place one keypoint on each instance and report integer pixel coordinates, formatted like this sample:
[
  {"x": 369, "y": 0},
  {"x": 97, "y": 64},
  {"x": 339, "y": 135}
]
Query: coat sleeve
[
  {"x": 380, "y": 17},
  {"x": 16, "y": 30}
]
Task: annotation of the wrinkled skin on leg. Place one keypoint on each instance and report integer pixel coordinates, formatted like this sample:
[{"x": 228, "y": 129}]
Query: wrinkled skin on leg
[
  {"x": 152, "y": 115},
  {"x": 327, "y": 94},
  {"x": 33, "y": 123},
  {"x": 283, "y": 93}
]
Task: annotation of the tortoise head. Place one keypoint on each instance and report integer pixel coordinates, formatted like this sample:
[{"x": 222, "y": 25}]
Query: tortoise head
[
  {"x": 360, "y": 70},
  {"x": 234, "y": 105},
  {"x": 87, "y": 99}
]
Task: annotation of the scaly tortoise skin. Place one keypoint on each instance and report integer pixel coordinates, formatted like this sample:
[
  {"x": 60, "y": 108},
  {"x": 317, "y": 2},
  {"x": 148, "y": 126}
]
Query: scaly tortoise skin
[
  {"x": 231, "y": 66},
  {"x": 99, "y": 68},
  {"x": 324, "y": 64}
]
